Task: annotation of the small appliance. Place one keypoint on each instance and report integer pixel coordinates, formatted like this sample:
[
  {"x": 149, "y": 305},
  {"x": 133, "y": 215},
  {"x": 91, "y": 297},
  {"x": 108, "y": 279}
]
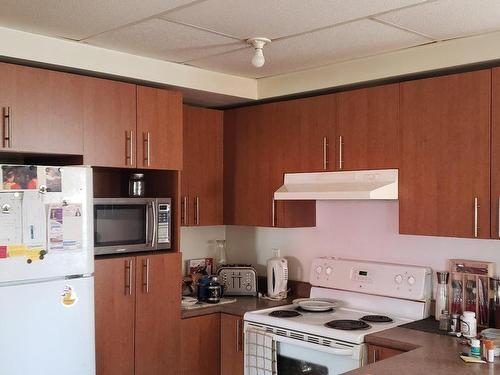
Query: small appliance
[
  {"x": 124, "y": 225},
  {"x": 277, "y": 276},
  {"x": 209, "y": 289},
  {"x": 238, "y": 279}
]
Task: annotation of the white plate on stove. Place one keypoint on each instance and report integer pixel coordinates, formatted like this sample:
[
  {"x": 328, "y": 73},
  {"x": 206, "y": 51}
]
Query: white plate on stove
[{"x": 315, "y": 304}]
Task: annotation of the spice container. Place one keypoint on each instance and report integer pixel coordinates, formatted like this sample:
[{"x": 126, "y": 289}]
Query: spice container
[
  {"x": 136, "y": 185},
  {"x": 444, "y": 321},
  {"x": 455, "y": 323}
]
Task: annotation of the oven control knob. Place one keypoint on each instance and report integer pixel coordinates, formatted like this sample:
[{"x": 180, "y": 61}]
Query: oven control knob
[
  {"x": 319, "y": 269},
  {"x": 398, "y": 279},
  {"x": 328, "y": 270},
  {"x": 411, "y": 280}
]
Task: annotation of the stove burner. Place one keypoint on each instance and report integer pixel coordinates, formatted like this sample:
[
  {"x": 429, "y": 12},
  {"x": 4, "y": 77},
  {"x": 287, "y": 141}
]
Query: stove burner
[
  {"x": 377, "y": 319},
  {"x": 347, "y": 325},
  {"x": 284, "y": 313},
  {"x": 300, "y": 309}
]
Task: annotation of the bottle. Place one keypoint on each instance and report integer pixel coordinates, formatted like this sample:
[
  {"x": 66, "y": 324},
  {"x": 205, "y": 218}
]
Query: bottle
[
  {"x": 468, "y": 325},
  {"x": 475, "y": 348},
  {"x": 221, "y": 257},
  {"x": 441, "y": 293},
  {"x": 444, "y": 321},
  {"x": 489, "y": 351}
]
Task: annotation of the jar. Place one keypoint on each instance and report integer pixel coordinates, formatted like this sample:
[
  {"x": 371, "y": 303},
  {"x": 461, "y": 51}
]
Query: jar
[
  {"x": 444, "y": 321},
  {"x": 136, "y": 185},
  {"x": 468, "y": 324}
]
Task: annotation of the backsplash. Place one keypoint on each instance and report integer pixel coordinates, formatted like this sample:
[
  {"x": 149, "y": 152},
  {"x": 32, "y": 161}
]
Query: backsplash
[{"x": 199, "y": 242}]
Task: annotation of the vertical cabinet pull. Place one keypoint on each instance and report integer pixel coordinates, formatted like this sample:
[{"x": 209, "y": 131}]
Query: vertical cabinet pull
[
  {"x": 325, "y": 153},
  {"x": 476, "y": 227},
  {"x": 197, "y": 210},
  {"x": 147, "y": 148},
  {"x": 499, "y": 217},
  {"x": 132, "y": 147},
  {"x": 341, "y": 161},
  {"x": 145, "y": 274},
  {"x": 128, "y": 277},
  {"x": 375, "y": 355},
  {"x": 129, "y": 154},
  {"x": 184, "y": 210},
  {"x": 273, "y": 213},
  {"x": 238, "y": 334},
  {"x": 7, "y": 127}
]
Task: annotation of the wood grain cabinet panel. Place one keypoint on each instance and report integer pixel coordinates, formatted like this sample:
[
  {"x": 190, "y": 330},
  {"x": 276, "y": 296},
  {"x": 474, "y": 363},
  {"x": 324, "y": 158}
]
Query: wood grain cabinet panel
[
  {"x": 202, "y": 174},
  {"x": 495, "y": 153},
  {"x": 114, "y": 316},
  {"x": 368, "y": 127},
  {"x": 445, "y": 155},
  {"x": 109, "y": 123},
  {"x": 379, "y": 353},
  {"x": 44, "y": 108},
  {"x": 232, "y": 356},
  {"x": 200, "y": 345},
  {"x": 157, "y": 314},
  {"x": 159, "y": 128}
]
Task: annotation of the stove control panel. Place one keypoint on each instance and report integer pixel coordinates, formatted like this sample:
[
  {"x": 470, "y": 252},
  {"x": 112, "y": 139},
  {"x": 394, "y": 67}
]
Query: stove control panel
[{"x": 392, "y": 280}]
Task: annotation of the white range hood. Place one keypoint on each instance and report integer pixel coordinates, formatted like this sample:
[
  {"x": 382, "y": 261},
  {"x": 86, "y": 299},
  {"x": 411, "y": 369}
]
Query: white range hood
[{"x": 373, "y": 184}]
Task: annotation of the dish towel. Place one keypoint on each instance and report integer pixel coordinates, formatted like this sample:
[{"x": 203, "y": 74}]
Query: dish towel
[{"x": 260, "y": 353}]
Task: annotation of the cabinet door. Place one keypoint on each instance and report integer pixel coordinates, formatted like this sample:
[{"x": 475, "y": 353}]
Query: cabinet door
[
  {"x": 109, "y": 123},
  {"x": 159, "y": 128},
  {"x": 495, "y": 154},
  {"x": 157, "y": 314},
  {"x": 444, "y": 178},
  {"x": 200, "y": 345},
  {"x": 368, "y": 128},
  {"x": 114, "y": 316},
  {"x": 379, "y": 353},
  {"x": 44, "y": 109},
  {"x": 202, "y": 174},
  {"x": 232, "y": 360}
]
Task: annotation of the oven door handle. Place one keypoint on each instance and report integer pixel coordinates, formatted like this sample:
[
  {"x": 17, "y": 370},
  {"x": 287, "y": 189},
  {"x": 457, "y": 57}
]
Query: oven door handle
[{"x": 323, "y": 348}]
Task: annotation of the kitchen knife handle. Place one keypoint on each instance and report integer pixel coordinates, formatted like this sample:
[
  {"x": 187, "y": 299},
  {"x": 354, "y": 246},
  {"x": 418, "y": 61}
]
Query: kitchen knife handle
[
  {"x": 476, "y": 227},
  {"x": 341, "y": 161},
  {"x": 325, "y": 153},
  {"x": 128, "y": 273},
  {"x": 145, "y": 267}
]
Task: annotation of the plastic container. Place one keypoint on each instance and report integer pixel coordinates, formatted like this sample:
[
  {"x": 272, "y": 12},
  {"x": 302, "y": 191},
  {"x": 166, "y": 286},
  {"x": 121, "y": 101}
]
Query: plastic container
[
  {"x": 475, "y": 348},
  {"x": 468, "y": 324}
]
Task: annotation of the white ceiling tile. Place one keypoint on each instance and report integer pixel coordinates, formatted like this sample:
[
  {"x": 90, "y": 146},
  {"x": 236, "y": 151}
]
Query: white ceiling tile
[
  {"x": 344, "y": 42},
  {"x": 277, "y": 18},
  {"x": 78, "y": 19},
  {"x": 445, "y": 19},
  {"x": 165, "y": 40}
]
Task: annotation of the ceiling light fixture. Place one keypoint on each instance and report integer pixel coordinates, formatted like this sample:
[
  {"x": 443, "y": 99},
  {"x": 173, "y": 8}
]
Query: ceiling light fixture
[{"x": 258, "y": 44}]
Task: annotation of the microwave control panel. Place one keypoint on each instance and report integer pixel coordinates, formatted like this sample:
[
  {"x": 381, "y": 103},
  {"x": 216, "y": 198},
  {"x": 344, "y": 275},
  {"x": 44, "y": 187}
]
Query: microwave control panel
[{"x": 163, "y": 222}]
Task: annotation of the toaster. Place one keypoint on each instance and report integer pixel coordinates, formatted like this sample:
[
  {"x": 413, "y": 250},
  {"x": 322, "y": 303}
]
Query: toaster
[{"x": 238, "y": 279}]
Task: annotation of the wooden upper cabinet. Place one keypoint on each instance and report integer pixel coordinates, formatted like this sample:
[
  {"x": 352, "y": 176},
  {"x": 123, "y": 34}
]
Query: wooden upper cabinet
[
  {"x": 109, "y": 123},
  {"x": 495, "y": 153},
  {"x": 202, "y": 174},
  {"x": 159, "y": 128},
  {"x": 368, "y": 127},
  {"x": 114, "y": 316},
  {"x": 445, "y": 156},
  {"x": 158, "y": 314},
  {"x": 44, "y": 108}
]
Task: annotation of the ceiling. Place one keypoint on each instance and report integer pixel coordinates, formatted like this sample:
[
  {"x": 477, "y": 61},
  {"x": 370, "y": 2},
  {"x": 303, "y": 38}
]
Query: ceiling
[{"x": 211, "y": 34}]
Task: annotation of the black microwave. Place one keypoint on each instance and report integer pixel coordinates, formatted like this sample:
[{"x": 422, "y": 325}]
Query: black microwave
[{"x": 124, "y": 225}]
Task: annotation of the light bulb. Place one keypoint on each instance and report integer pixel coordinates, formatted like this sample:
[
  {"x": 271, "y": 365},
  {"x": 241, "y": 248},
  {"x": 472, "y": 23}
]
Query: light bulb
[{"x": 258, "y": 59}]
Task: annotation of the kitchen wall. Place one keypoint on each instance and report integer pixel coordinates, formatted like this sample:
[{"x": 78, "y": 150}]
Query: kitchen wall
[
  {"x": 357, "y": 229},
  {"x": 199, "y": 242}
]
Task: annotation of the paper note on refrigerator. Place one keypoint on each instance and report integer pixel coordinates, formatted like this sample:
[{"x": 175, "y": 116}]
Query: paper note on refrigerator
[
  {"x": 34, "y": 223},
  {"x": 55, "y": 227},
  {"x": 10, "y": 219},
  {"x": 72, "y": 226}
]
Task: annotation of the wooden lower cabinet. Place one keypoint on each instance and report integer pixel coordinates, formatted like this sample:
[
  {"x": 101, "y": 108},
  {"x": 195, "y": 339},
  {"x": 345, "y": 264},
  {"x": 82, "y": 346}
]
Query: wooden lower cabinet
[
  {"x": 137, "y": 315},
  {"x": 232, "y": 360},
  {"x": 200, "y": 345},
  {"x": 379, "y": 353}
]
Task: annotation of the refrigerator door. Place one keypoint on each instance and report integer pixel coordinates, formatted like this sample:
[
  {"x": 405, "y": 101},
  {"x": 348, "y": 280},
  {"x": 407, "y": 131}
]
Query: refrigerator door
[
  {"x": 47, "y": 328},
  {"x": 66, "y": 217}
]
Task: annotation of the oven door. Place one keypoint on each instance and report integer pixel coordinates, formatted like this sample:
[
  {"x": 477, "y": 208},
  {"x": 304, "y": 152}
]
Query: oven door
[
  {"x": 297, "y": 357},
  {"x": 123, "y": 225}
]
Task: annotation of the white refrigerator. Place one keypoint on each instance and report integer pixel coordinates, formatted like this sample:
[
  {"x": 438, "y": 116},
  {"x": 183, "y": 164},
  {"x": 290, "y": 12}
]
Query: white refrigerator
[{"x": 46, "y": 271}]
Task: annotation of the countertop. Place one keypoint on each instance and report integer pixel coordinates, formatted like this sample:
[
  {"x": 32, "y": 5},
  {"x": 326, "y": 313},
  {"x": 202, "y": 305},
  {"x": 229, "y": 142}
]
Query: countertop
[
  {"x": 427, "y": 353},
  {"x": 240, "y": 307}
]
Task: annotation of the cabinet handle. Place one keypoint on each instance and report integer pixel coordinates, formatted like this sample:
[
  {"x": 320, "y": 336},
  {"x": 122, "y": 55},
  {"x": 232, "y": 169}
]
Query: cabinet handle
[
  {"x": 341, "y": 161},
  {"x": 476, "y": 227},
  {"x": 197, "y": 210},
  {"x": 128, "y": 273},
  {"x": 147, "y": 149},
  {"x": 325, "y": 153},
  {"x": 273, "y": 213},
  {"x": 238, "y": 346},
  {"x": 7, "y": 127},
  {"x": 375, "y": 355},
  {"x": 184, "y": 210},
  {"x": 499, "y": 217},
  {"x": 145, "y": 269},
  {"x": 129, "y": 139},
  {"x": 131, "y": 147}
]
